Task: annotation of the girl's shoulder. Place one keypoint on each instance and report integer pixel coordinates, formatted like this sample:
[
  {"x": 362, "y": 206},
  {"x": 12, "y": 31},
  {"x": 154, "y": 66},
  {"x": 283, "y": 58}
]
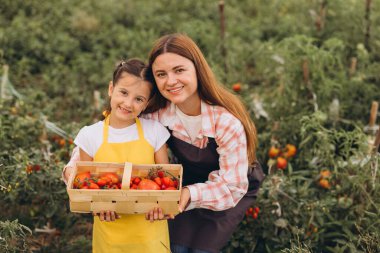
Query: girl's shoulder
[
  {"x": 92, "y": 129},
  {"x": 150, "y": 124}
]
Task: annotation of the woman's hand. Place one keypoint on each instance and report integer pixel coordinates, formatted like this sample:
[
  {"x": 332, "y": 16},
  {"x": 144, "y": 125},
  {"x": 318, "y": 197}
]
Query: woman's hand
[
  {"x": 184, "y": 201},
  {"x": 157, "y": 214},
  {"x": 107, "y": 215}
]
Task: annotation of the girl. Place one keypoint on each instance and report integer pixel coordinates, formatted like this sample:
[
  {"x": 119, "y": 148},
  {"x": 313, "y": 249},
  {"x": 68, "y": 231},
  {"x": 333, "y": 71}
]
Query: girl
[
  {"x": 122, "y": 137},
  {"x": 214, "y": 139}
]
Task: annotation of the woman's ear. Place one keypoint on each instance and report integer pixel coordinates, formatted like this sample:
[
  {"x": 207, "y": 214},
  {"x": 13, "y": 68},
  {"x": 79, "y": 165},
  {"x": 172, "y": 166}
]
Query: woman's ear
[{"x": 110, "y": 88}]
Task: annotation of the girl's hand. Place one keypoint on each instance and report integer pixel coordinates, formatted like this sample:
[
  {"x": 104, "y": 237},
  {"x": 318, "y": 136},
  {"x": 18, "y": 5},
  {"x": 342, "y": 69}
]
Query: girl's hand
[
  {"x": 107, "y": 215},
  {"x": 157, "y": 214},
  {"x": 67, "y": 172},
  {"x": 184, "y": 201}
]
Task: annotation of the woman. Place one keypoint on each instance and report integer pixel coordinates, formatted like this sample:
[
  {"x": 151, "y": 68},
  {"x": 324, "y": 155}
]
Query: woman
[{"x": 214, "y": 139}]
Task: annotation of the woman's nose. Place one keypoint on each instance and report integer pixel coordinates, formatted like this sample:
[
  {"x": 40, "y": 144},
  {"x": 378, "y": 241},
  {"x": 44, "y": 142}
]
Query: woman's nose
[{"x": 172, "y": 79}]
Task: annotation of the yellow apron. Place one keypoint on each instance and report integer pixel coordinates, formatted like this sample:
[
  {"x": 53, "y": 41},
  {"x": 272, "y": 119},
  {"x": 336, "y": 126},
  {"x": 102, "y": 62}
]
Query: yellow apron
[{"x": 131, "y": 233}]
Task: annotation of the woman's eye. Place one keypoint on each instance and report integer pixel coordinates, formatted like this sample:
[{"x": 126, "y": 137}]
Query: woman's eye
[
  {"x": 160, "y": 74},
  {"x": 180, "y": 70}
]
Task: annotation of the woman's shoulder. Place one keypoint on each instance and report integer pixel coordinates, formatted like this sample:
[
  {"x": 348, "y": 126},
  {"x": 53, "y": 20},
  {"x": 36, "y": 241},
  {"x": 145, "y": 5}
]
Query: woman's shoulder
[{"x": 224, "y": 119}]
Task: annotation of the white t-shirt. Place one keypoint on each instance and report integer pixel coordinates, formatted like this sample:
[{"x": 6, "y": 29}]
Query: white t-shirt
[
  {"x": 90, "y": 138},
  {"x": 192, "y": 124}
]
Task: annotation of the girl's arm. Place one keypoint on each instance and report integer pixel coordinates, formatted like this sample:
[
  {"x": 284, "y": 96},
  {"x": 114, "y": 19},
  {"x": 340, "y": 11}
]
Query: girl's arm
[
  {"x": 161, "y": 155},
  {"x": 83, "y": 156},
  {"x": 67, "y": 170}
]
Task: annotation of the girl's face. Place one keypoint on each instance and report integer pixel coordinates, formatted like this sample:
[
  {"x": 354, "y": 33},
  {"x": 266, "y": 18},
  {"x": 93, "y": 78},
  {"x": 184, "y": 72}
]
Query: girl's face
[
  {"x": 176, "y": 80},
  {"x": 129, "y": 97}
]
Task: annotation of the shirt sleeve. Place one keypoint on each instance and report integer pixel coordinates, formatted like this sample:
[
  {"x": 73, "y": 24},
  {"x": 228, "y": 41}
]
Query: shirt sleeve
[
  {"x": 226, "y": 186},
  {"x": 162, "y": 135},
  {"x": 83, "y": 141}
]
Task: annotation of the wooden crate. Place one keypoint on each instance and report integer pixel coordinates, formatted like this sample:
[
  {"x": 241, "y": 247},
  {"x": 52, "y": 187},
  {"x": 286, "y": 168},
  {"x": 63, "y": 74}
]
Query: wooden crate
[{"x": 124, "y": 200}]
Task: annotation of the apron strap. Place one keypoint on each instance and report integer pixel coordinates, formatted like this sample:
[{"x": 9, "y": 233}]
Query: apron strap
[
  {"x": 105, "y": 129},
  {"x": 139, "y": 129},
  {"x": 107, "y": 123}
]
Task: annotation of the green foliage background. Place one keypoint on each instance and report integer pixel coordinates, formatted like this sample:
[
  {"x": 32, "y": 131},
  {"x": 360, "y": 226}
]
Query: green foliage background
[{"x": 59, "y": 52}]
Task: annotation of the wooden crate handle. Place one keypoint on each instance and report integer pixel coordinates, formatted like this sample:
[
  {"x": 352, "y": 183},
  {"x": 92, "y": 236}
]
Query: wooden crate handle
[{"x": 126, "y": 176}]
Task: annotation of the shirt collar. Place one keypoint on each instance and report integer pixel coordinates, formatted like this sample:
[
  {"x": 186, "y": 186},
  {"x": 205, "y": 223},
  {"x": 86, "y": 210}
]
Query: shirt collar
[{"x": 168, "y": 118}]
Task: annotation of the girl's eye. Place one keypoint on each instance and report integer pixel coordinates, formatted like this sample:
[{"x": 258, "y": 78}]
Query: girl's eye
[
  {"x": 123, "y": 92},
  {"x": 140, "y": 100}
]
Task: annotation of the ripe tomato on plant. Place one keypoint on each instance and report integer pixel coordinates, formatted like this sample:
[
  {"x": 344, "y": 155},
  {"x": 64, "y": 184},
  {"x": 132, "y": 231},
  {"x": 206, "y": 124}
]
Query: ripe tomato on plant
[
  {"x": 290, "y": 150},
  {"x": 236, "y": 87},
  {"x": 273, "y": 152},
  {"x": 281, "y": 163},
  {"x": 324, "y": 183}
]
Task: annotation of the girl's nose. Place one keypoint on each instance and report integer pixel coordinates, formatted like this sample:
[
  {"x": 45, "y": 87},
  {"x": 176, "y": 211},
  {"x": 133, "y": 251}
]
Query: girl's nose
[{"x": 128, "y": 101}]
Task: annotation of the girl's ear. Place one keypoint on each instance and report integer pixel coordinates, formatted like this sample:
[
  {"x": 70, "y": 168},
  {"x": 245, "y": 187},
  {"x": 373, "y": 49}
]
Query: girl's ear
[{"x": 110, "y": 88}]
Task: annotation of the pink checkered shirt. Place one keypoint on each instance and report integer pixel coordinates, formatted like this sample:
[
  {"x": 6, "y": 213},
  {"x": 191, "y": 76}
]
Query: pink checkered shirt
[{"x": 226, "y": 186}]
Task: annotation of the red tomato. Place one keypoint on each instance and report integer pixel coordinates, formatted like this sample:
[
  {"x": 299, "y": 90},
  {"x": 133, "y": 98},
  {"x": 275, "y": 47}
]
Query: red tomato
[
  {"x": 273, "y": 152},
  {"x": 236, "y": 87},
  {"x": 113, "y": 176},
  {"x": 256, "y": 209},
  {"x": 160, "y": 174},
  {"x": 93, "y": 186},
  {"x": 254, "y": 215},
  {"x": 147, "y": 184},
  {"x": 281, "y": 163},
  {"x": 171, "y": 188},
  {"x": 158, "y": 181},
  {"x": 291, "y": 150},
  {"x": 81, "y": 178},
  {"x": 101, "y": 182},
  {"x": 136, "y": 180},
  {"x": 175, "y": 183},
  {"x": 167, "y": 181}
]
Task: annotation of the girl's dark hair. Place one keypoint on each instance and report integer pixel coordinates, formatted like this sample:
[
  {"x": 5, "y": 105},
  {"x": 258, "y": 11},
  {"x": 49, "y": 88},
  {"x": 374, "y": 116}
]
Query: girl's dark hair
[{"x": 133, "y": 67}]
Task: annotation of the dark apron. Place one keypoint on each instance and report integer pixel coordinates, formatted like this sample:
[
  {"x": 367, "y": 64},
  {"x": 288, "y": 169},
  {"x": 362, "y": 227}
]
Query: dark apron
[{"x": 200, "y": 228}]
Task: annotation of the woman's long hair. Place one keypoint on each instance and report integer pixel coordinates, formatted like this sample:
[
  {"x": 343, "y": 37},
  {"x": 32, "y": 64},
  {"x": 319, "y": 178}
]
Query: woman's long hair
[{"x": 209, "y": 90}]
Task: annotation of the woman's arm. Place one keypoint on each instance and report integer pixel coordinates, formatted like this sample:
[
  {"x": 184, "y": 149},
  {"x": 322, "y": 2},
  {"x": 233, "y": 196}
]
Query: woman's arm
[{"x": 226, "y": 186}]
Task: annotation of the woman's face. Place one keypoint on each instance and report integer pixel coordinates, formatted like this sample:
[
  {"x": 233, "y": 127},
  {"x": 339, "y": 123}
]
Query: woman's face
[
  {"x": 129, "y": 97},
  {"x": 176, "y": 79}
]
